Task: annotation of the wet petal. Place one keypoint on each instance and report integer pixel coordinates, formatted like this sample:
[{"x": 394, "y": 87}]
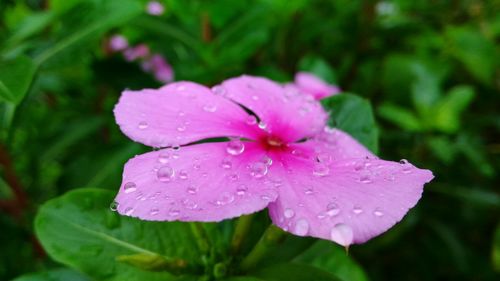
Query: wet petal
[
  {"x": 346, "y": 201},
  {"x": 289, "y": 114},
  {"x": 311, "y": 84},
  {"x": 179, "y": 113},
  {"x": 203, "y": 182}
]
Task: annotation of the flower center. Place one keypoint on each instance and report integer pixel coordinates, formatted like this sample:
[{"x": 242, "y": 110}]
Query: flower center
[{"x": 273, "y": 143}]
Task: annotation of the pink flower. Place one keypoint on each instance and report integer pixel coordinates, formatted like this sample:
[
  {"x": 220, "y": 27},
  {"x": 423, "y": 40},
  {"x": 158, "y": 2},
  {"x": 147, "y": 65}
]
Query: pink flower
[
  {"x": 138, "y": 52},
  {"x": 315, "y": 181},
  {"x": 118, "y": 43},
  {"x": 155, "y": 8},
  {"x": 161, "y": 69},
  {"x": 313, "y": 85}
]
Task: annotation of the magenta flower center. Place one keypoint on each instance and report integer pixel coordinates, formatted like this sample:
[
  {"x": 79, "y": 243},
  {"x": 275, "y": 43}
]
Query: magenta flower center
[{"x": 272, "y": 142}]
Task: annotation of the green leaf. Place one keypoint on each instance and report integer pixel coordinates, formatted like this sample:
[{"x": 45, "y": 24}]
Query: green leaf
[
  {"x": 448, "y": 111},
  {"x": 101, "y": 16},
  {"x": 5, "y": 190},
  {"x": 15, "y": 78},
  {"x": 400, "y": 116},
  {"x": 334, "y": 259},
  {"x": 425, "y": 89},
  {"x": 30, "y": 25},
  {"x": 61, "y": 274},
  {"x": 353, "y": 115},
  {"x": 78, "y": 230},
  {"x": 243, "y": 278},
  {"x": 495, "y": 255},
  {"x": 319, "y": 67},
  {"x": 293, "y": 272}
]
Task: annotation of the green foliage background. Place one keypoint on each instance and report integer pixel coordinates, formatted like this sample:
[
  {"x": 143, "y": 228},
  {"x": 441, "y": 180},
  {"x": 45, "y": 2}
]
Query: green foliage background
[{"x": 429, "y": 69}]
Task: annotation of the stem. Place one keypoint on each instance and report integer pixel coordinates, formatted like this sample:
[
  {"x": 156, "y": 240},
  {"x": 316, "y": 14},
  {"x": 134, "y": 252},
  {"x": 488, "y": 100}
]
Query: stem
[
  {"x": 201, "y": 237},
  {"x": 240, "y": 233},
  {"x": 267, "y": 243}
]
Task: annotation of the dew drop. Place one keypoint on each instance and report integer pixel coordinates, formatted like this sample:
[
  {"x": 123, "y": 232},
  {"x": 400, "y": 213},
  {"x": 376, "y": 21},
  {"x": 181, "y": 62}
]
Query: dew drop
[
  {"x": 235, "y": 147},
  {"x": 173, "y": 212},
  {"x": 301, "y": 227},
  {"x": 342, "y": 234},
  {"x": 163, "y": 157},
  {"x": 154, "y": 211},
  {"x": 357, "y": 210},
  {"x": 128, "y": 211},
  {"x": 113, "y": 206},
  {"x": 181, "y": 128},
  {"x": 258, "y": 170},
  {"x": 189, "y": 204},
  {"x": 180, "y": 88},
  {"x": 365, "y": 178},
  {"x": 407, "y": 167},
  {"x": 234, "y": 177},
  {"x": 209, "y": 107},
  {"x": 309, "y": 190},
  {"x": 176, "y": 147},
  {"x": 267, "y": 160},
  {"x": 192, "y": 189},
  {"x": 181, "y": 114},
  {"x": 251, "y": 120},
  {"x": 183, "y": 175},
  {"x": 219, "y": 90},
  {"x": 262, "y": 125},
  {"x": 129, "y": 187},
  {"x": 143, "y": 125},
  {"x": 288, "y": 213},
  {"x": 321, "y": 170},
  {"x": 255, "y": 97},
  {"x": 226, "y": 164},
  {"x": 378, "y": 213},
  {"x": 165, "y": 173},
  {"x": 224, "y": 199},
  {"x": 324, "y": 158},
  {"x": 332, "y": 210},
  {"x": 241, "y": 190}
]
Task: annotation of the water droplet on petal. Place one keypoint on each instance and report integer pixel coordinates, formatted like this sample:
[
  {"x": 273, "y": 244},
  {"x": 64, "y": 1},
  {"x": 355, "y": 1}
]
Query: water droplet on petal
[
  {"x": 288, "y": 213},
  {"x": 309, "y": 190},
  {"x": 258, "y": 170},
  {"x": 189, "y": 204},
  {"x": 251, "y": 120},
  {"x": 262, "y": 125},
  {"x": 183, "y": 174},
  {"x": 154, "y": 211},
  {"x": 143, "y": 125},
  {"x": 407, "y": 167},
  {"x": 129, "y": 187},
  {"x": 128, "y": 211},
  {"x": 241, "y": 190},
  {"x": 180, "y": 88},
  {"x": 163, "y": 157},
  {"x": 321, "y": 170},
  {"x": 226, "y": 164},
  {"x": 342, "y": 234},
  {"x": 301, "y": 227},
  {"x": 209, "y": 107},
  {"x": 176, "y": 147},
  {"x": 192, "y": 189},
  {"x": 224, "y": 199},
  {"x": 235, "y": 147},
  {"x": 332, "y": 210},
  {"x": 234, "y": 177},
  {"x": 255, "y": 97},
  {"x": 181, "y": 128},
  {"x": 365, "y": 178},
  {"x": 267, "y": 160},
  {"x": 165, "y": 173},
  {"x": 181, "y": 114},
  {"x": 174, "y": 212},
  {"x": 113, "y": 206},
  {"x": 378, "y": 213},
  {"x": 219, "y": 90},
  {"x": 357, "y": 210},
  {"x": 324, "y": 158}
]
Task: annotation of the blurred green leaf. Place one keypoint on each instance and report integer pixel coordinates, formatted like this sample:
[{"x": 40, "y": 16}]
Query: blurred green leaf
[
  {"x": 442, "y": 148},
  {"x": 353, "y": 115},
  {"x": 479, "y": 197},
  {"x": 400, "y": 116},
  {"x": 243, "y": 278},
  {"x": 425, "y": 90},
  {"x": 293, "y": 272},
  {"x": 78, "y": 230},
  {"x": 15, "y": 78},
  {"x": 334, "y": 259},
  {"x": 30, "y": 25},
  {"x": 61, "y": 274},
  {"x": 319, "y": 67},
  {"x": 495, "y": 254},
  {"x": 448, "y": 110},
  {"x": 5, "y": 190}
]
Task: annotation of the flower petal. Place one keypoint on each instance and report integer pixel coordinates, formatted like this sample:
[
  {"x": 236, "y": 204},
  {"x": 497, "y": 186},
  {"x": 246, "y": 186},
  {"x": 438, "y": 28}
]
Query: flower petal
[
  {"x": 313, "y": 85},
  {"x": 289, "y": 114},
  {"x": 202, "y": 182},
  {"x": 179, "y": 113},
  {"x": 346, "y": 201}
]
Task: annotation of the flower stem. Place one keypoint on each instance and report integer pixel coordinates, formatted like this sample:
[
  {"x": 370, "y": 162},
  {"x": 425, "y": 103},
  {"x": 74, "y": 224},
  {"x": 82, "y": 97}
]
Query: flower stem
[
  {"x": 240, "y": 233},
  {"x": 267, "y": 243},
  {"x": 201, "y": 237}
]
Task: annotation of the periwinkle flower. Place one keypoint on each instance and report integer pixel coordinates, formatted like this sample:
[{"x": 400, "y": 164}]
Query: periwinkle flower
[{"x": 315, "y": 180}]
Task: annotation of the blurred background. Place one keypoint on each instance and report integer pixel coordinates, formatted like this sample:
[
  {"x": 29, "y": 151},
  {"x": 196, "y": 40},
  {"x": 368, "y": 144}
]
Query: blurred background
[{"x": 430, "y": 68}]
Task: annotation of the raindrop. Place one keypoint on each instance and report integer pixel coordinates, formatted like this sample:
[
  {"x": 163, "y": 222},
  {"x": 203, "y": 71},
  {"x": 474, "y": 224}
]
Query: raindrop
[
  {"x": 196, "y": 166},
  {"x": 143, "y": 125},
  {"x": 181, "y": 113},
  {"x": 301, "y": 227},
  {"x": 262, "y": 125},
  {"x": 378, "y": 213},
  {"x": 365, "y": 178},
  {"x": 309, "y": 190},
  {"x": 241, "y": 190},
  {"x": 113, "y": 206},
  {"x": 258, "y": 170},
  {"x": 255, "y": 97},
  {"x": 324, "y": 158},
  {"x": 342, "y": 234},
  {"x": 163, "y": 157},
  {"x": 154, "y": 211},
  {"x": 226, "y": 164},
  {"x": 267, "y": 160},
  {"x": 357, "y": 210},
  {"x": 251, "y": 120},
  {"x": 265, "y": 197},
  {"x": 407, "y": 167},
  {"x": 181, "y": 128},
  {"x": 189, "y": 204},
  {"x": 235, "y": 147},
  {"x": 224, "y": 199},
  {"x": 181, "y": 88},
  {"x": 234, "y": 177},
  {"x": 173, "y": 212},
  {"x": 176, "y": 147},
  {"x": 332, "y": 210},
  {"x": 321, "y": 170},
  {"x": 209, "y": 107},
  {"x": 192, "y": 189},
  {"x": 219, "y": 90},
  {"x": 165, "y": 173},
  {"x": 288, "y": 213},
  {"x": 129, "y": 187},
  {"x": 183, "y": 174},
  {"x": 129, "y": 211}
]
